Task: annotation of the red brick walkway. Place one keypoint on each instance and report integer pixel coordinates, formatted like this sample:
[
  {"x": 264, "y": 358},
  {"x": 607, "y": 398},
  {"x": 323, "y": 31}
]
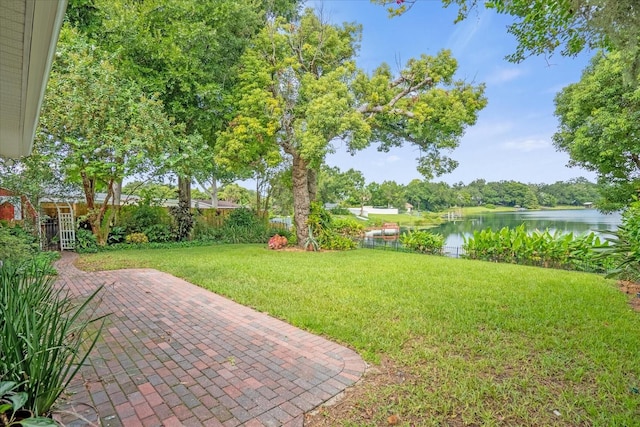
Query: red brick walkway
[{"x": 173, "y": 354}]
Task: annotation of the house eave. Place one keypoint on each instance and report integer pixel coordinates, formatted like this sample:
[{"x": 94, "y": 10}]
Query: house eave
[{"x": 29, "y": 31}]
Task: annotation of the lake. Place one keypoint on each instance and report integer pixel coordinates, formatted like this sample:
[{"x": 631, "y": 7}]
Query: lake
[{"x": 577, "y": 221}]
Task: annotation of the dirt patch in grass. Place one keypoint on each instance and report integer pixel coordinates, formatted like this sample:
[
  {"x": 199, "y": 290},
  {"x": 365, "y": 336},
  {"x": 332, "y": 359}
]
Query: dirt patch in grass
[
  {"x": 350, "y": 408},
  {"x": 633, "y": 290}
]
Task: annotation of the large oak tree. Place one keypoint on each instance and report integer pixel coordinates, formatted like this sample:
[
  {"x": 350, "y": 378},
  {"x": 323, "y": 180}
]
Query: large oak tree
[
  {"x": 600, "y": 128},
  {"x": 300, "y": 91}
]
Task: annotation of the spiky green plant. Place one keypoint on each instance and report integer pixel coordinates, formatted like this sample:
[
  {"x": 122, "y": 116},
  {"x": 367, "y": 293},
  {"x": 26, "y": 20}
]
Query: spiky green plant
[
  {"x": 311, "y": 243},
  {"x": 42, "y": 334}
]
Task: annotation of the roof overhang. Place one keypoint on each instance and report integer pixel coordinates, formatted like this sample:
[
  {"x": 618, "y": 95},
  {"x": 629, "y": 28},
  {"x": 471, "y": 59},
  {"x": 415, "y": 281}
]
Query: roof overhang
[{"x": 29, "y": 32}]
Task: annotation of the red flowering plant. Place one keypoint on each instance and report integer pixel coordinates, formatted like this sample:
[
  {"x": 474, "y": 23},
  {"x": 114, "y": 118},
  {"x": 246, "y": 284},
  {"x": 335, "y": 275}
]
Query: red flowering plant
[{"x": 277, "y": 242}]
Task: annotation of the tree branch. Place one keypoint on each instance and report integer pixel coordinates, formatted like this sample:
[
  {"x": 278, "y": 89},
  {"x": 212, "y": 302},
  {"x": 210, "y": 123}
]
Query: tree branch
[
  {"x": 427, "y": 81},
  {"x": 381, "y": 108}
]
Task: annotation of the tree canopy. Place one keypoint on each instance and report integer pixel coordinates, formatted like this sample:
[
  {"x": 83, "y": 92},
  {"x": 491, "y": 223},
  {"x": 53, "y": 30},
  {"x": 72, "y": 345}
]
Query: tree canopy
[
  {"x": 600, "y": 127},
  {"x": 185, "y": 52},
  {"x": 568, "y": 26},
  {"x": 300, "y": 90},
  {"x": 97, "y": 125}
]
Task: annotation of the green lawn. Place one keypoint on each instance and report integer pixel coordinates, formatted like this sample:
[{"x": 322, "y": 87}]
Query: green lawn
[
  {"x": 474, "y": 210},
  {"x": 477, "y": 343},
  {"x": 407, "y": 220}
]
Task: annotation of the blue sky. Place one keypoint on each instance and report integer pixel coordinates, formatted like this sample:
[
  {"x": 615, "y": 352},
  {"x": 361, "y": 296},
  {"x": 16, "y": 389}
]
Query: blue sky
[{"x": 512, "y": 137}]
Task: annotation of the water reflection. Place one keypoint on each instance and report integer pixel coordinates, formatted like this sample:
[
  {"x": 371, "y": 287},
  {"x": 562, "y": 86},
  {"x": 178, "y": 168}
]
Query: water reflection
[{"x": 566, "y": 221}]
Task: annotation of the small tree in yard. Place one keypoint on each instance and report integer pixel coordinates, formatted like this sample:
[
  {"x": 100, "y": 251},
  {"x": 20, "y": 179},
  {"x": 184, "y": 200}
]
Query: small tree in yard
[
  {"x": 97, "y": 126},
  {"x": 300, "y": 90}
]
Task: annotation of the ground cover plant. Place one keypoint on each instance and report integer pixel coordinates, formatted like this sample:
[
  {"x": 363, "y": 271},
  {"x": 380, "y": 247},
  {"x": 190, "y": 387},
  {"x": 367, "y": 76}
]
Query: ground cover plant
[{"x": 463, "y": 342}]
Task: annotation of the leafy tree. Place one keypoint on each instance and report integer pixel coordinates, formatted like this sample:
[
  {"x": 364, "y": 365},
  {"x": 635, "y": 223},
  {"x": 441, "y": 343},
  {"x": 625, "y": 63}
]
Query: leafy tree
[
  {"x": 35, "y": 177},
  {"x": 430, "y": 196},
  {"x": 234, "y": 193},
  {"x": 599, "y": 127},
  {"x": 151, "y": 193},
  {"x": 186, "y": 52},
  {"x": 97, "y": 125},
  {"x": 281, "y": 192},
  {"x": 335, "y": 186},
  {"x": 577, "y": 192},
  {"x": 475, "y": 189},
  {"x": 300, "y": 90},
  {"x": 415, "y": 194},
  {"x": 377, "y": 197},
  {"x": 392, "y": 194}
]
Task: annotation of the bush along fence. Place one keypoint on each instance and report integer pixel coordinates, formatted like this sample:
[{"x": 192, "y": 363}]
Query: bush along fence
[{"x": 515, "y": 246}]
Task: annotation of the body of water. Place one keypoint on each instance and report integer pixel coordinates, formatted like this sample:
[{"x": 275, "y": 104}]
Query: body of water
[{"x": 578, "y": 221}]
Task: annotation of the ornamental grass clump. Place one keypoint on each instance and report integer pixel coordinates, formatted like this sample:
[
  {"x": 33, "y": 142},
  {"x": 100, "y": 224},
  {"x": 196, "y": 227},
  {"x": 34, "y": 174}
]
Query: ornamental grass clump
[{"x": 45, "y": 336}]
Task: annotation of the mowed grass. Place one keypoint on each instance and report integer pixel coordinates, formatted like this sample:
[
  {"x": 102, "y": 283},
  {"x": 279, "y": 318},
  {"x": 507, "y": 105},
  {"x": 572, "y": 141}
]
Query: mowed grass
[
  {"x": 407, "y": 220},
  {"x": 475, "y": 343}
]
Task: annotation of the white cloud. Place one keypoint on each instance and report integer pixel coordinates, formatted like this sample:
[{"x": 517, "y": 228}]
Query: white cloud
[
  {"x": 465, "y": 31},
  {"x": 392, "y": 158},
  {"x": 527, "y": 145},
  {"x": 503, "y": 75}
]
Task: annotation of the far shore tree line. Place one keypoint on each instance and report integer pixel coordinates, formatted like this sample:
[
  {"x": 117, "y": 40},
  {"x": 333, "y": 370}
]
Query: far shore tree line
[{"x": 348, "y": 189}]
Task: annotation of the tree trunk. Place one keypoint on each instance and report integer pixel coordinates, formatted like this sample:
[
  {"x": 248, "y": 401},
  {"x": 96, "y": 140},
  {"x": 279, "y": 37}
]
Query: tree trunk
[
  {"x": 95, "y": 214},
  {"x": 312, "y": 184},
  {"x": 301, "y": 201},
  {"x": 214, "y": 193},
  {"x": 117, "y": 193},
  {"x": 184, "y": 191},
  {"x": 182, "y": 213},
  {"x": 258, "y": 198},
  {"x": 117, "y": 199},
  {"x": 89, "y": 195}
]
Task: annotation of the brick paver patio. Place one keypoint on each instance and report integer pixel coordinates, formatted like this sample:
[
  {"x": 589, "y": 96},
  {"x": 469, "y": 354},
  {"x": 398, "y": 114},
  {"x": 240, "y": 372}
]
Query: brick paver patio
[{"x": 173, "y": 354}]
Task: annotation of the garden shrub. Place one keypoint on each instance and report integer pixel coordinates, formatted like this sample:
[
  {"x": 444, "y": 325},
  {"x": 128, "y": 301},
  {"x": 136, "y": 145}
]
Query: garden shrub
[
  {"x": 153, "y": 221},
  {"x": 116, "y": 235},
  {"x": 423, "y": 242},
  {"x": 204, "y": 231},
  {"x": 336, "y": 242},
  {"x": 348, "y": 227},
  {"x": 490, "y": 206},
  {"x": 340, "y": 211},
  {"x": 554, "y": 250},
  {"x": 86, "y": 241},
  {"x": 243, "y": 226},
  {"x": 158, "y": 233},
  {"x": 137, "y": 238},
  {"x": 16, "y": 245},
  {"x": 242, "y": 217},
  {"x": 277, "y": 242},
  {"x": 319, "y": 219},
  {"x": 624, "y": 251}
]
